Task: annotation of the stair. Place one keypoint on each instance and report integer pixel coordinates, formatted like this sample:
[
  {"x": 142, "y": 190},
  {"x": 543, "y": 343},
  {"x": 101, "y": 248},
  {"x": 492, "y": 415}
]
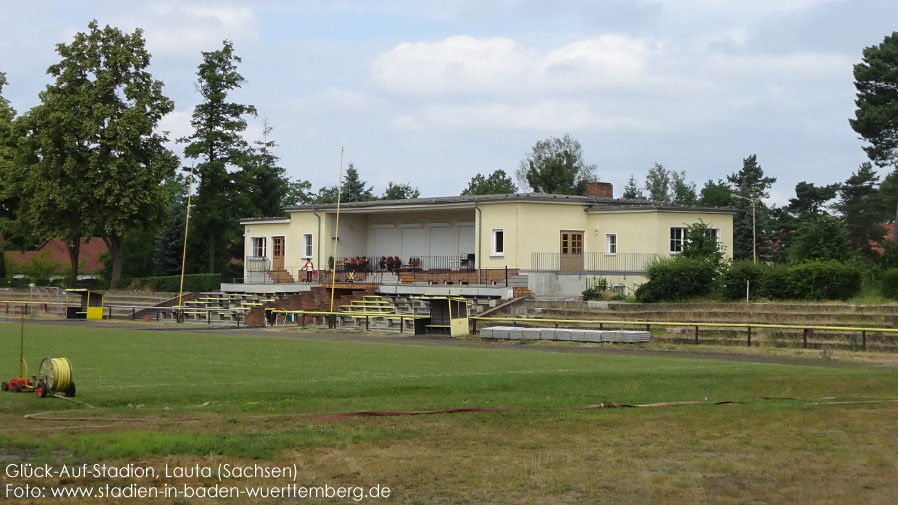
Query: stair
[{"x": 281, "y": 276}]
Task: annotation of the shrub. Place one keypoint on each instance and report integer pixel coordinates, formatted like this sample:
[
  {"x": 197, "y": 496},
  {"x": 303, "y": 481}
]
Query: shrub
[
  {"x": 171, "y": 283},
  {"x": 678, "y": 278},
  {"x": 775, "y": 283},
  {"x": 824, "y": 280},
  {"x": 733, "y": 279},
  {"x": 890, "y": 283},
  {"x": 599, "y": 291}
]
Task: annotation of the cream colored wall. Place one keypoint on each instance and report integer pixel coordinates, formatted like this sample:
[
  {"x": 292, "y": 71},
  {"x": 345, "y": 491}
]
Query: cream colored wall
[
  {"x": 528, "y": 227},
  {"x": 650, "y": 231}
]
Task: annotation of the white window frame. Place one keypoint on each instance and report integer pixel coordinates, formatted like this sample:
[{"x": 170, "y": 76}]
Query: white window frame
[
  {"x": 307, "y": 249},
  {"x": 681, "y": 240},
  {"x": 611, "y": 244},
  {"x": 716, "y": 232},
  {"x": 493, "y": 242},
  {"x": 263, "y": 242}
]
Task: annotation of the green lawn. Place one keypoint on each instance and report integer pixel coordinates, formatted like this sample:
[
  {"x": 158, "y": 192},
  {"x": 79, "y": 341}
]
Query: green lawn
[{"x": 233, "y": 396}]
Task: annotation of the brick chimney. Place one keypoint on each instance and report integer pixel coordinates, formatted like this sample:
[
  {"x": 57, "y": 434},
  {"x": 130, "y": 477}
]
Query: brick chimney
[{"x": 600, "y": 189}]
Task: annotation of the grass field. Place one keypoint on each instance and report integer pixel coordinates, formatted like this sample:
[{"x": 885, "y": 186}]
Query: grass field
[{"x": 190, "y": 398}]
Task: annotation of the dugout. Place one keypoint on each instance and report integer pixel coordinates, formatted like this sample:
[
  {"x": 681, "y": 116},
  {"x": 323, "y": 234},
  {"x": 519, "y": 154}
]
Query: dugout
[
  {"x": 448, "y": 316},
  {"x": 90, "y": 306}
]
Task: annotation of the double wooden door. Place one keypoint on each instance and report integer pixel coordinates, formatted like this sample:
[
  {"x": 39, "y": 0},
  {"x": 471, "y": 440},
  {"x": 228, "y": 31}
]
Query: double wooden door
[{"x": 571, "y": 251}]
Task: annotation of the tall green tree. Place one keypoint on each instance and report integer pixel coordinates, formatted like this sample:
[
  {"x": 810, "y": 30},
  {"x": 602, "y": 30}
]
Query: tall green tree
[
  {"x": 861, "y": 208},
  {"x": 556, "y": 165},
  {"x": 876, "y": 117},
  {"x": 97, "y": 140},
  {"x": 750, "y": 183},
  {"x": 632, "y": 191},
  {"x": 496, "y": 183},
  {"x": 168, "y": 245},
  {"x": 400, "y": 191},
  {"x": 715, "y": 194},
  {"x": 889, "y": 195},
  {"x": 261, "y": 184},
  {"x": 682, "y": 192},
  {"x": 218, "y": 144},
  {"x": 657, "y": 184},
  {"x": 8, "y": 169}
]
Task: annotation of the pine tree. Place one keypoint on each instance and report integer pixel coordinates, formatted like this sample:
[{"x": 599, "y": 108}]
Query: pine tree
[
  {"x": 861, "y": 206},
  {"x": 217, "y": 141},
  {"x": 632, "y": 191},
  {"x": 354, "y": 188},
  {"x": 750, "y": 184}
]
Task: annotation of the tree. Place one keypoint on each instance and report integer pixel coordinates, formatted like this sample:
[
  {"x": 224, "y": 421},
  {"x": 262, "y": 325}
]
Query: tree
[
  {"x": 299, "y": 192},
  {"x": 354, "y": 188},
  {"x": 218, "y": 143},
  {"x": 888, "y": 191},
  {"x": 657, "y": 184},
  {"x": 715, "y": 194},
  {"x": 820, "y": 238},
  {"x": 555, "y": 165},
  {"x": 750, "y": 184},
  {"x": 810, "y": 200},
  {"x": 632, "y": 191},
  {"x": 326, "y": 195},
  {"x": 168, "y": 246},
  {"x": 703, "y": 243},
  {"x": 861, "y": 208},
  {"x": 683, "y": 192},
  {"x": 876, "y": 117},
  {"x": 497, "y": 183},
  {"x": 400, "y": 191},
  {"x": 261, "y": 184},
  {"x": 97, "y": 141},
  {"x": 8, "y": 169}
]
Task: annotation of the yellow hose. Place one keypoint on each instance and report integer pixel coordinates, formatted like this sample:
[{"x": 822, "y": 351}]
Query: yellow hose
[{"x": 62, "y": 373}]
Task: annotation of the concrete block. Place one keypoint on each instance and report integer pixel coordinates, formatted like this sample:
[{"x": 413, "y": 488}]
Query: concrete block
[
  {"x": 563, "y": 334},
  {"x": 612, "y": 336},
  {"x": 592, "y": 335},
  {"x": 515, "y": 333},
  {"x": 547, "y": 334},
  {"x": 486, "y": 333},
  {"x": 500, "y": 332},
  {"x": 530, "y": 333}
]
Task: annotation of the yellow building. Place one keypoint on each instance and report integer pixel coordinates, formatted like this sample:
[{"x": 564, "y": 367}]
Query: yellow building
[{"x": 552, "y": 244}]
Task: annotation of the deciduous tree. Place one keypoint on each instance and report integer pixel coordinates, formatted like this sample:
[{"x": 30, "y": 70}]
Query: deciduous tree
[
  {"x": 400, "y": 191},
  {"x": 556, "y": 165},
  {"x": 497, "y": 183}
]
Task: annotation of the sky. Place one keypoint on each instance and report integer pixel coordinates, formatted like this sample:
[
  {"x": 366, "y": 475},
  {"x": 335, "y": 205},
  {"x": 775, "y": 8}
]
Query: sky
[{"x": 432, "y": 93}]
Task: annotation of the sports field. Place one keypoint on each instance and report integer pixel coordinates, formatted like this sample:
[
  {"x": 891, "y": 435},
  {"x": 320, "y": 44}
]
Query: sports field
[{"x": 824, "y": 434}]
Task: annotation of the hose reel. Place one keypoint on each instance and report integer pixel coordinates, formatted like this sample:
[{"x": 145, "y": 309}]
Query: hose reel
[{"x": 54, "y": 376}]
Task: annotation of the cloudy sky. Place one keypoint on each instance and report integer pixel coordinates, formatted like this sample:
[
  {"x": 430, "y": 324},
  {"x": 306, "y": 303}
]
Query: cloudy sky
[{"x": 433, "y": 92}]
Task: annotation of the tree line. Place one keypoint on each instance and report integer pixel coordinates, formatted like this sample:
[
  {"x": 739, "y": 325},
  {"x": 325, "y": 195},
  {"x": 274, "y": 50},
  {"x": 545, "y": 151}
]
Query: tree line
[{"x": 91, "y": 161}]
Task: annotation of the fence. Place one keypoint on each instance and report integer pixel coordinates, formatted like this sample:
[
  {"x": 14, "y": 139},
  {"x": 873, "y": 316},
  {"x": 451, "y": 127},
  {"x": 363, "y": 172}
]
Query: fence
[{"x": 596, "y": 262}]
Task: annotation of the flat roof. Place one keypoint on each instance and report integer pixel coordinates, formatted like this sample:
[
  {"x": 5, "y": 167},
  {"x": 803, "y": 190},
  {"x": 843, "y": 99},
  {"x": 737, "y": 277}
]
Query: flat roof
[{"x": 593, "y": 203}]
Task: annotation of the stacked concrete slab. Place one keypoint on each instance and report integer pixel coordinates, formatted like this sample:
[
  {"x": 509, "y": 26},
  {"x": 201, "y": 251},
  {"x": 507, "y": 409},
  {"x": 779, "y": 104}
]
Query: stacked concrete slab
[{"x": 565, "y": 334}]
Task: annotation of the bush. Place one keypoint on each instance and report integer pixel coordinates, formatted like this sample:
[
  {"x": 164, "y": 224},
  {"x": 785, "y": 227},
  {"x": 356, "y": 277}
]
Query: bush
[
  {"x": 776, "y": 283},
  {"x": 171, "y": 283},
  {"x": 732, "y": 282},
  {"x": 890, "y": 283},
  {"x": 597, "y": 292},
  {"x": 678, "y": 278},
  {"x": 824, "y": 280}
]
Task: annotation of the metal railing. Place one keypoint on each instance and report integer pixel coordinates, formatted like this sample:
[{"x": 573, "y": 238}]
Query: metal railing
[
  {"x": 257, "y": 264},
  {"x": 596, "y": 262}
]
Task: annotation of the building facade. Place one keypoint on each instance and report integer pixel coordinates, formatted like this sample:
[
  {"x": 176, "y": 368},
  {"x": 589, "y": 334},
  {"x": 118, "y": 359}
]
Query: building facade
[{"x": 471, "y": 240}]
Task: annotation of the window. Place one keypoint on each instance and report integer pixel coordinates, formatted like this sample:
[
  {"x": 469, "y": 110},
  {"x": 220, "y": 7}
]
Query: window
[
  {"x": 677, "y": 238},
  {"x": 715, "y": 232},
  {"x": 258, "y": 247},
  {"x": 306, "y": 245},
  {"x": 610, "y": 243},
  {"x": 498, "y": 243}
]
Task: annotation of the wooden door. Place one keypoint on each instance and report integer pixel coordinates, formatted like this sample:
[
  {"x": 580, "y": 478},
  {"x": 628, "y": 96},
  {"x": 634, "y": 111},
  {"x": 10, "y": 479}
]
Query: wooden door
[
  {"x": 277, "y": 253},
  {"x": 571, "y": 251}
]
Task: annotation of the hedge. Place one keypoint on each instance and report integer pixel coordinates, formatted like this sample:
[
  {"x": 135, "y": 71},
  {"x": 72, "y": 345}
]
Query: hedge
[
  {"x": 890, "y": 283},
  {"x": 676, "y": 279},
  {"x": 171, "y": 283},
  {"x": 732, "y": 282},
  {"x": 824, "y": 280}
]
